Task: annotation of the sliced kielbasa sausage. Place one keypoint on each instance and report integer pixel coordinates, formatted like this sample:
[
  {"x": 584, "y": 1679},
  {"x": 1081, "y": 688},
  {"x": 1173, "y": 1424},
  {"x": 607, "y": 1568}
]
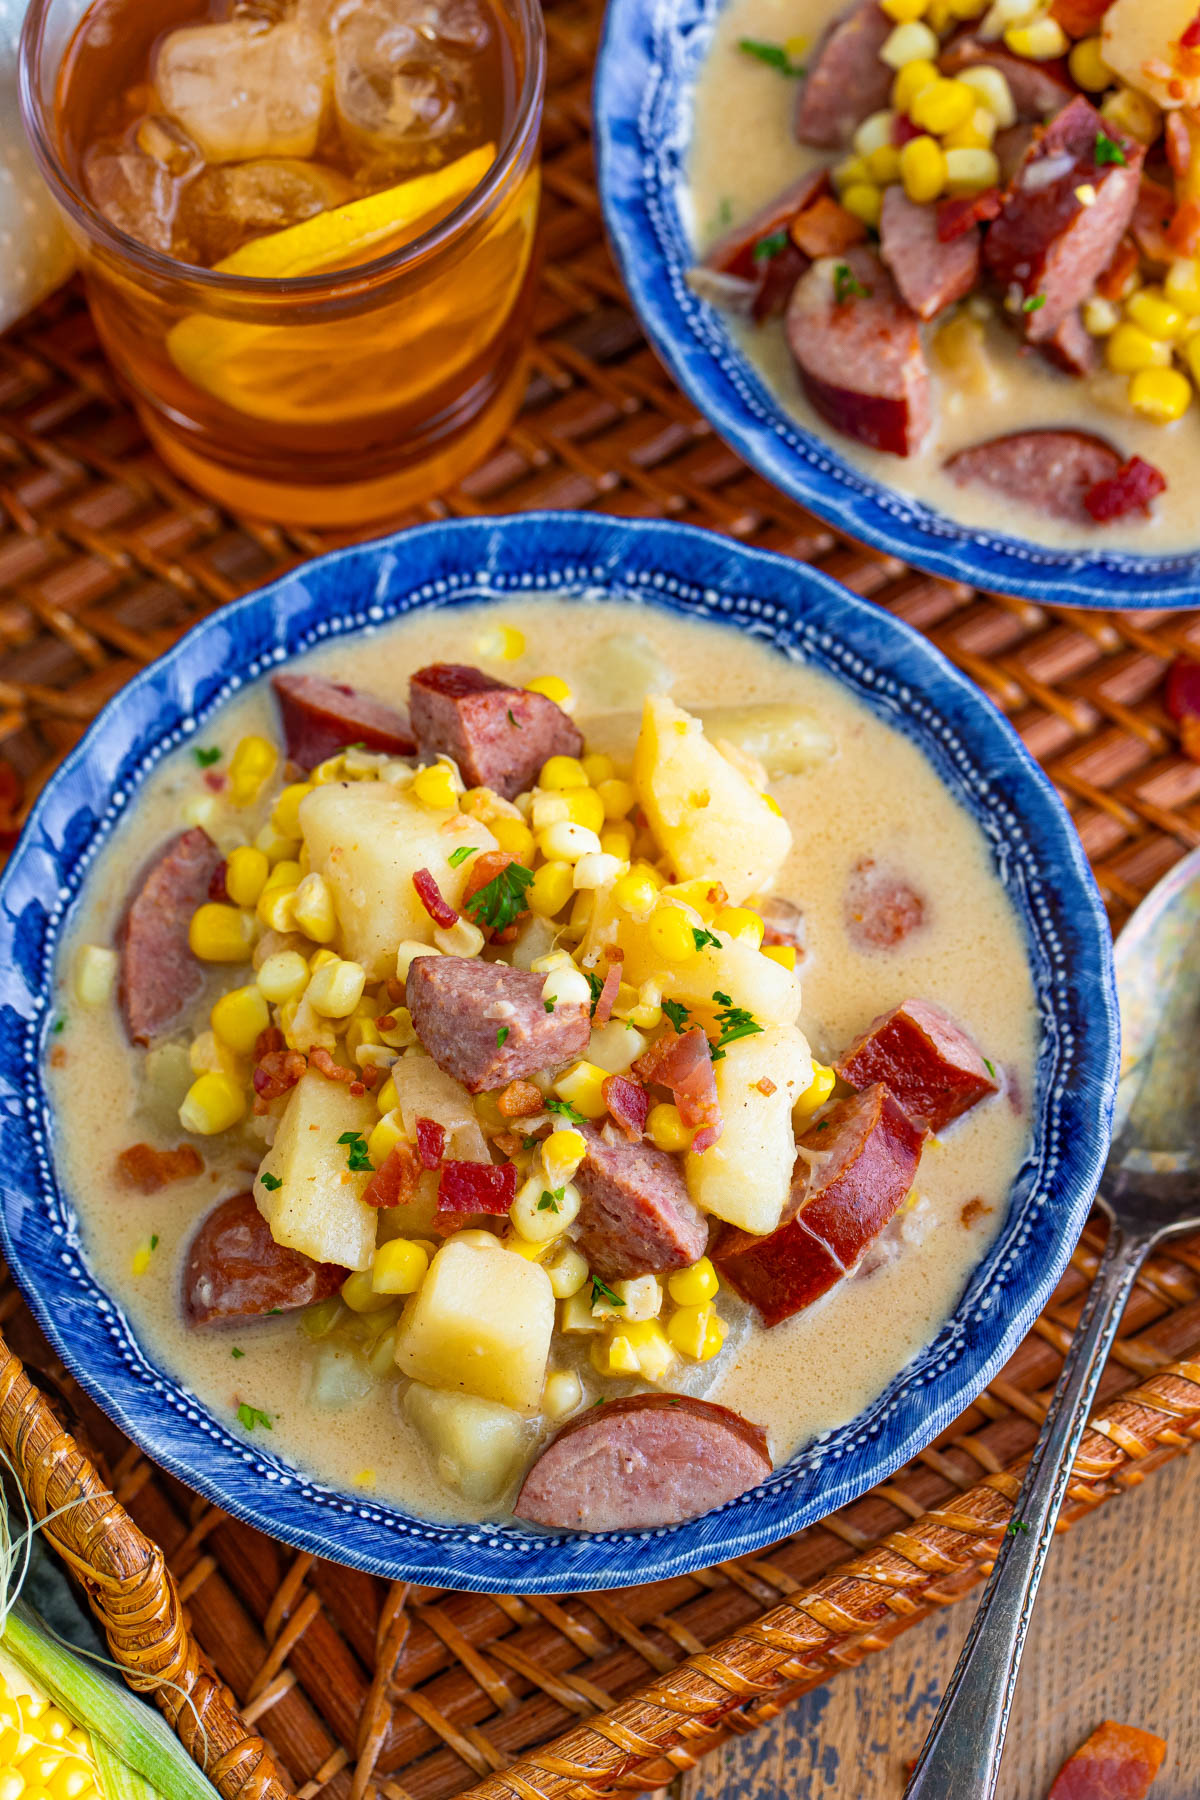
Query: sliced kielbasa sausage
[
  {"x": 159, "y": 976},
  {"x": 1050, "y": 471},
  {"x": 734, "y": 253},
  {"x": 858, "y": 351},
  {"x": 236, "y": 1270},
  {"x": 881, "y": 908},
  {"x": 636, "y": 1216},
  {"x": 499, "y": 736},
  {"x": 486, "y": 1024},
  {"x": 847, "y": 79},
  {"x": 1037, "y": 88},
  {"x": 1062, "y": 219},
  {"x": 1072, "y": 349},
  {"x": 855, "y": 1166},
  {"x": 930, "y": 273},
  {"x": 321, "y": 717},
  {"x": 925, "y": 1058},
  {"x": 641, "y": 1462}
]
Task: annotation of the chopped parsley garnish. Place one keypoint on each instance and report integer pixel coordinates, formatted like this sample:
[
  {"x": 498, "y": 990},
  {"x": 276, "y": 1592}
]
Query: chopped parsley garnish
[
  {"x": 270, "y": 1182},
  {"x": 357, "y": 1160},
  {"x": 548, "y": 1005},
  {"x": 498, "y": 903},
  {"x": 250, "y": 1416},
  {"x": 565, "y": 1110},
  {"x": 602, "y": 1291},
  {"x": 677, "y": 1012},
  {"x": 273, "y": 1309},
  {"x": 770, "y": 246},
  {"x": 529, "y": 1142},
  {"x": 154, "y": 1240},
  {"x": 735, "y": 1022},
  {"x": 597, "y": 987},
  {"x": 457, "y": 857},
  {"x": 206, "y": 758},
  {"x": 501, "y": 1036},
  {"x": 513, "y": 720},
  {"x": 774, "y": 55},
  {"x": 990, "y": 1067},
  {"x": 722, "y": 999},
  {"x": 59, "y": 1024},
  {"x": 847, "y": 286},
  {"x": 236, "y": 1353},
  {"x": 1108, "y": 151},
  {"x": 1017, "y": 1525},
  {"x": 551, "y": 1200},
  {"x": 1033, "y": 303},
  {"x": 725, "y": 212},
  {"x": 700, "y": 938},
  {"x": 599, "y": 1402}
]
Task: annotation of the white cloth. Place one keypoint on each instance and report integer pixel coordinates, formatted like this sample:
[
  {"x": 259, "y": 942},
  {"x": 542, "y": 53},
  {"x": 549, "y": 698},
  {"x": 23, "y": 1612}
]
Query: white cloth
[{"x": 36, "y": 255}]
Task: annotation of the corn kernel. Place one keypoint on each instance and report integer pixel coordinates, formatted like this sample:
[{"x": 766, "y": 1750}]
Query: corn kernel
[
  {"x": 1088, "y": 67},
  {"x": 666, "y": 1129},
  {"x": 689, "y": 1329},
  {"x": 275, "y": 847},
  {"x": 1162, "y": 395},
  {"x": 597, "y": 870},
  {"x": 566, "y": 842},
  {"x": 563, "y": 772},
  {"x": 617, "y": 840},
  {"x": 692, "y": 1287},
  {"x": 1130, "y": 349},
  {"x": 384, "y": 1136},
  {"x": 562, "y": 1153},
  {"x": 463, "y": 938},
  {"x": 991, "y": 89},
  {"x": 576, "y": 1315},
  {"x": 274, "y": 907},
  {"x": 970, "y": 171},
  {"x": 434, "y": 787},
  {"x": 95, "y": 974},
  {"x": 207, "y": 1053},
  {"x": 250, "y": 768},
  {"x": 567, "y": 1271},
  {"x": 221, "y": 934},
  {"x": 850, "y": 170},
  {"x": 883, "y": 166},
  {"x": 783, "y": 954},
  {"x": 874, "y": 133},
  {"x": 1039, "y": 41},
  {"x": 816, "y": 1093},
  {"x": 615, "y": 1356},
  {"x": 740, "y": 923},
  {"x": 1133, "y": 113},
  {"x": 864, "y": 201},
  {"x": 554, "y": 688},
  {"x": 585, "y": 807},
  {"x": 514, "y": 836},
  {"x": 360, "y": 1294},
  {"x": 911, "y": 80},
  {"x": 525, "y": 1248},
  {"x": 548, "y": 809},
  {"x": 942, "y": 105},
  {"x": 313, "y": 910},
  {"x": 551, "y": 888},
  {"x": 213, "y": 1103},
  {"x": 332, "y": 769},
  {"x": 566, "y": 985},
  {"x": 239, "y": 1017},
  {"x": 652, "y": 1347},
  {"x": 647, "y": 1014},
  {"x": 540, "y": 1214},
  {"x": 1150, "y": 309},
  {"x": 1181, "y": 284},
  {"x": 361, "y": 1031},
  {"x": 581, "y": 1086},
  {"x": 922, "y": 169},
  {"x": 285, "y": 814},
  {"x": 283, "y": 977},
  {"x": 913, "y": 42},
  {"x": 670, "y": 933},
  {"x": 640, "y": 1298},
  {"x": 202, "y": 809},
  {"x": 503, "y": 643},
  {"x": 336, "y": 988},
  {"x": 977, "y": 133},
  {"x": 636, "y": 894},
  {"x": 901, "y": 12},
  {"x": 561, "y": 1395},
  {"x": 386, "y": 1097},
  {"x": 246, "y": 871},
  {"x": 1100, "y": 316},
  {"x": 399, "y": 1267}
]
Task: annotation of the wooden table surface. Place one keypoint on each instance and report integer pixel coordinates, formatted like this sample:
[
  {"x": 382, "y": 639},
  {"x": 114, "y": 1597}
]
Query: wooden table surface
[{"x": 1116, "y": 1634}]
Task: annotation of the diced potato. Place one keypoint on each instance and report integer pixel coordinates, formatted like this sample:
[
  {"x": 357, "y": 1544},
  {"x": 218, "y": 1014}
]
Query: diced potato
[
  {"x": 786, "y": 739},
  {"x": 709, "y": 819},
  {"x": 415, "y": 1218},
  {"x": 1142, "y": 35},
  {"x": 426, "y": 1092},
  {"x": 746, "y": 1175},
  {"x": 616, "y": 1046},
  {"x": 476, "y": 1446},
  {"x": 318, "y": 1209},
  {"x": 770, "y": 992},
  {"x": 368, "y": 839},
  {"x": 480, "y": 1324}
]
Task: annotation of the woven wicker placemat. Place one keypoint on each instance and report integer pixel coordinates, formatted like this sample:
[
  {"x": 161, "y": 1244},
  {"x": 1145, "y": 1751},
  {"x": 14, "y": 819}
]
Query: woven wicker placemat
[{"x": 105, "y": 558}]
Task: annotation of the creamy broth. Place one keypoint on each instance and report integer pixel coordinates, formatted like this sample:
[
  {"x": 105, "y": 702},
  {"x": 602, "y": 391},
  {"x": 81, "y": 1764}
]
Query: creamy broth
[
  {"x": 876, "y": 796},
  {"x": 744, "y": 152}
]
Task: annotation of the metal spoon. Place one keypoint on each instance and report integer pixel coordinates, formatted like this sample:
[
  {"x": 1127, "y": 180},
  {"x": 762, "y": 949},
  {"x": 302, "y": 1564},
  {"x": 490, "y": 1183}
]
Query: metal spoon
[{"x": 1150, "y": 1189}]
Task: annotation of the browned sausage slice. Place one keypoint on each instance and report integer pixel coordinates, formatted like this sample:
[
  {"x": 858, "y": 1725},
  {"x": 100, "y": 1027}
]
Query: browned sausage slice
[
  {"x": 1037, "y": 88},
  {"x": 860, "y": 357},
  {"x": 855, "y": 1166},
  {"x": 159, "y": 976},
  {"x": 930, "y": 274},
  {"x": 733, "y": 254},
  {"x": 925, "y": 1058},
  {"x": 236, "y": 1270},
  {"x": 641, "y": 1462},
  {"x": 847, "y": 80},
  {"x": 637, "y": 1217},
  {"x": 499, "y": 736},
  {"x": 321, "y": 717},
  {"x": 1050, "y": 471},
  {"x": 1072, "y": 348},
  {"x": 486, "y": 1024},
  {"x": 881, "y": 907},
  {"x": 1063, "y": 217}
]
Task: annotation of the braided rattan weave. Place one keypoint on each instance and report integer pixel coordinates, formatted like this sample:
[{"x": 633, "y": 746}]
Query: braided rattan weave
[{"x": 418, "y": 1694}]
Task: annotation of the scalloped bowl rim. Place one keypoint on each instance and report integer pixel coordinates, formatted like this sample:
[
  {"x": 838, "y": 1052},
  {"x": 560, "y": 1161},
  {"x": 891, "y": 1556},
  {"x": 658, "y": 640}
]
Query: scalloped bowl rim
[{"x": 583, "y": 557}]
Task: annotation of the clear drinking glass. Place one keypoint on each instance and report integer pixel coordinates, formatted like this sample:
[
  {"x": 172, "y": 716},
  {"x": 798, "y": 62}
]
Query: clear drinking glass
[{"x": 334, "y": 398}]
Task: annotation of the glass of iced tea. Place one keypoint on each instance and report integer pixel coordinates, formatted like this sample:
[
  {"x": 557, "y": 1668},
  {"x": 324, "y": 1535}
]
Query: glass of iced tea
[{"x": 307, "y": 231}]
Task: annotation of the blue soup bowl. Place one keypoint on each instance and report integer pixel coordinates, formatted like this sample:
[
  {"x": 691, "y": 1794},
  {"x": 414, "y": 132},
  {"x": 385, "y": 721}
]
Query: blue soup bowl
[
  {"x": 650, "y": 59},
  {"x": 587, "y": 559}
]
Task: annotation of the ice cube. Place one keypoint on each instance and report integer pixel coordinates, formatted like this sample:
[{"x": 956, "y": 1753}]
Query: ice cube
[
  {"x": 135, "y": 192},
  {"x": 401, "y": 97},
  {"x": 246, "y": 88},
  {"x": 226, "y": 207},
  {"x": 168, "y": 144}
]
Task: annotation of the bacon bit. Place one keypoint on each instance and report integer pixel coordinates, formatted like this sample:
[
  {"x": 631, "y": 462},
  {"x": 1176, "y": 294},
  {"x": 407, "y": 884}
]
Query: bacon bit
[
  {"x": 974, "y": 1209},
  {"x": 1116, "y": 1760},
  {"x": 473, "y": 1187},
  {"x": 395, "y": 1180},
  {"x": 357, "y": 1088},
  {"x": 955, "y": 217},
  {"x": 386, "y": 1021},
  {"x": 628, "y": 1105},
  {"x": 1080, "y": 18},
  {"x": 826, "y": 228},
  {"x": 482, "y": 869},
  {"x": 323, "y": 1063},
  {"x": 519, "y": 1100},
  {"x": 684, "y": 1064},
  {"x": 214, "y": 781},
  {"x": 1190, "y": 39},
  {"x": 606, "y": 999},
  {"x": 904, "y": 131},
  {"x": 276, "y": 1072},
  {"x": 216, "y": 886},
  {"x": 1183, "y": 233},
  {"x": 370, "y": 1077},
  {"x": 765, "y": 1085},
  {"x": 147, "y": 1169},
  {"x": 1131, "y": 489},
  {"x": 270, "y": 1039},
  {"x": 508, "y": 1142},
  {"x": 395, "y": 990},
  {"x": 1183, "y": 703},
  {"x": 58, "y": 1056},
  {"x": 718, "y": 895},
  {"x": 431, "y": 1142},
  {"x": 1178, "y": 144},
  {"x": 433, "y": 900},
  {"x": 1151, "y": 216},
  {"x": 613, "y": 953},
  {"x": 12, "y": 792},
  {"x": 1113, "y": 282}
]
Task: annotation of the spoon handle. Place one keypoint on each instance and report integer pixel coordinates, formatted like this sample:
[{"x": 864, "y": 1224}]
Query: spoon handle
[{"x": 961, "y": 1758}]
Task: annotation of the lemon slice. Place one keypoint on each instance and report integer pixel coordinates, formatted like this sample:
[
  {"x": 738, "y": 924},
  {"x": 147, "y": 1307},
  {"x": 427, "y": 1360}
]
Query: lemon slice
[{"x": 229, "y": 358}]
